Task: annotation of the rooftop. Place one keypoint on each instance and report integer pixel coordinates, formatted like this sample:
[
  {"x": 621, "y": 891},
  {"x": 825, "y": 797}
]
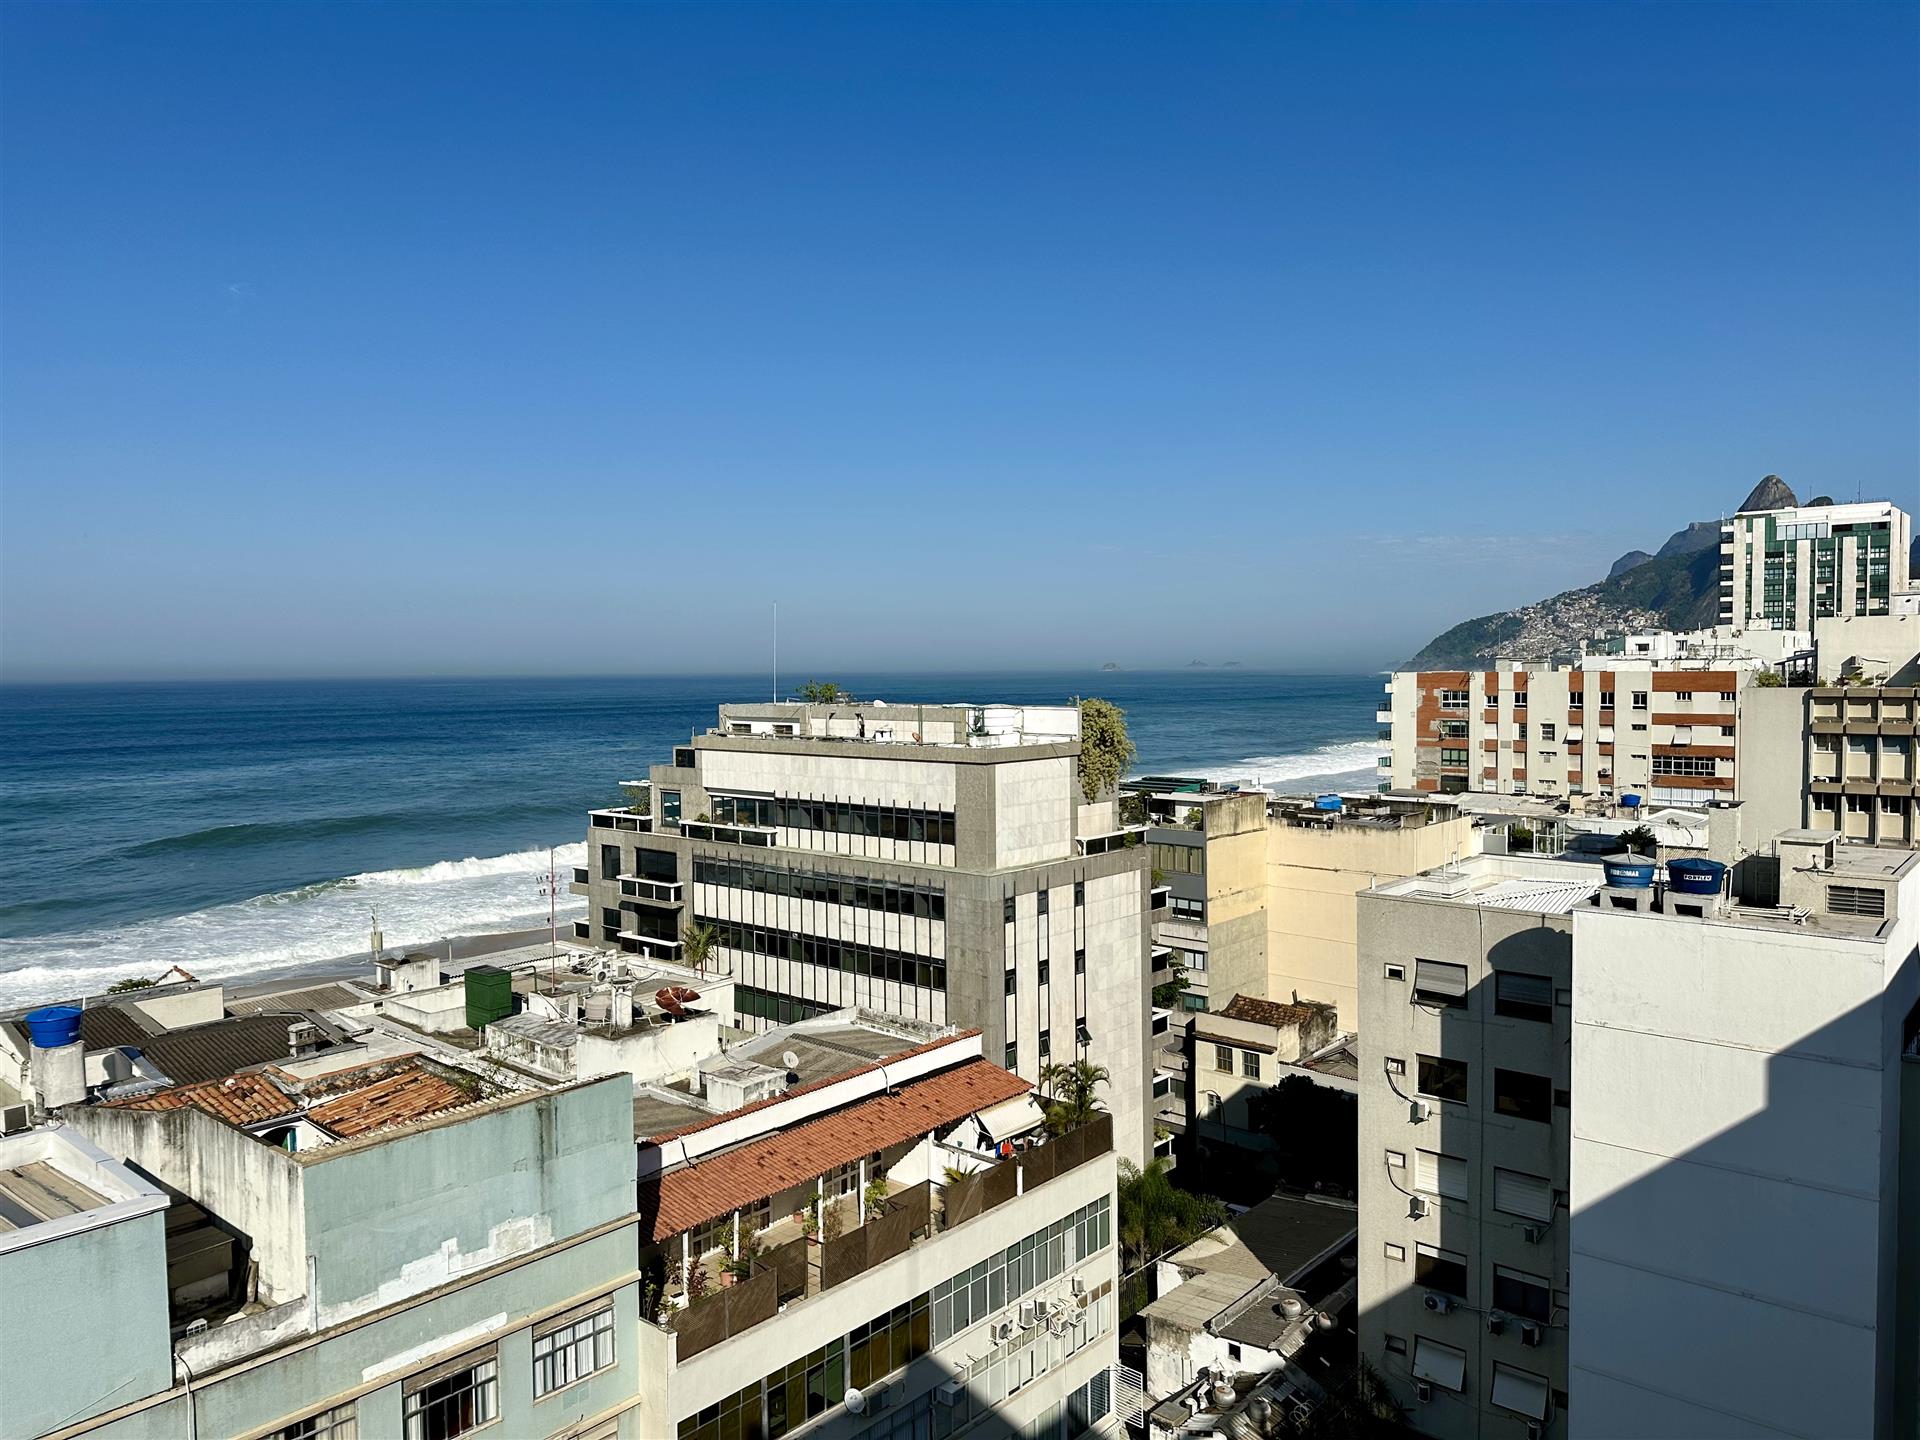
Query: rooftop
[
  {"x": 1283, "y": 1236},
  {"x": 682, "y": 1198},
  {"x": 1502, "y": 882},
  {"x": 955, "y": 725},
  {"x": 54, "y": 1182},
  {"x": 1278, "y": 1014}
]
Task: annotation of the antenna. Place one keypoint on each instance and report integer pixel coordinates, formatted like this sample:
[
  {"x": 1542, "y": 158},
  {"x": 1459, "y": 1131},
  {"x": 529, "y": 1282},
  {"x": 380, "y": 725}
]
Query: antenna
[{"x": 776, "y": 652}]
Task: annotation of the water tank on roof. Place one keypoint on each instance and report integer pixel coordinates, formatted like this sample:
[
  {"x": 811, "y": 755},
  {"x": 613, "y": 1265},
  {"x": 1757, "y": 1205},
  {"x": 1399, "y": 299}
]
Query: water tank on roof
[
  {"x": 1328, "y": 802},
  {"x": 1695, "y": 877},
  {"x": 52, "y": 1026},
  {"x": 1629, "y": 874},
  {"x": 489, "y": 991},
  {"x": 1630, "y": 802}
]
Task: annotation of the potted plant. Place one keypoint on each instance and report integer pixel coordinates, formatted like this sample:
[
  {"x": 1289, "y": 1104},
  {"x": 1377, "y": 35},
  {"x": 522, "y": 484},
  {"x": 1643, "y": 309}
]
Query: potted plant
[
  {"x": 809, "y": 1221},
  {"x": 874, "y": 1198}
]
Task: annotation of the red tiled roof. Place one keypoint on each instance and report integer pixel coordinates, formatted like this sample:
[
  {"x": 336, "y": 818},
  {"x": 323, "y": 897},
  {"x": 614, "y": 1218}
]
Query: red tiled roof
[
  {"x": 409, "y": 1095},
  {"x": 690, "y": 1127},
  {"x": 681, "y": 1199},
  {"x": 1268, "y": 1012},
  {"x": 238, "y": 1099}
]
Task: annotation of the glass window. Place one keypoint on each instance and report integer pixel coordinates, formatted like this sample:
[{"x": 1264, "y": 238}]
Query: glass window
[
  {"x": 338, "y": 1423},
  {"x": 573, "y": 1352},
  {"x": 1522, "y": 997},
  {"x": 1443, "y": 1079},
  {"x": 1250, "y": 1064},
  {"x": 1435, "y": 982},
  {"x": 1438, "y": 1174},
  {"x": 1006, "y": 910},
  {"x": 1442, "y": 1270},
  {"x": 1223, "y": 1059},
  {"x": 1519, "y": 1293},
  {"x": 457, "y": 1402},
  {"x": 1012, "y": 981},
  {"x": 670, "y": 806},
  {"x": 1523, "y": 1096}
]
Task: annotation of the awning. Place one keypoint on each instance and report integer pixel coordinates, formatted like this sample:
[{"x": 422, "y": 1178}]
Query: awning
[
  {"x": 1520, "y": 1391},
  {"x": 1442, "y": 1364},
  {"x": 1009, "y": 1118}
]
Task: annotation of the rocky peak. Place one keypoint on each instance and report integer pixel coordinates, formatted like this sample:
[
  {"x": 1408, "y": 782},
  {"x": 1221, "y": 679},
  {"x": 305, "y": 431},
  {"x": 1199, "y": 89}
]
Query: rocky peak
[{"x": 1772, "y": 493}]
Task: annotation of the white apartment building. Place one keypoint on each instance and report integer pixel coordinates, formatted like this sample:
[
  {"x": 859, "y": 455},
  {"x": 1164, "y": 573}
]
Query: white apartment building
[
  {"x": 1465, "y": 986},
  {"x": 1745, "y": 1156},
  {"x": 933, "y": 862},
  {"x": 1785, "y": 569}
]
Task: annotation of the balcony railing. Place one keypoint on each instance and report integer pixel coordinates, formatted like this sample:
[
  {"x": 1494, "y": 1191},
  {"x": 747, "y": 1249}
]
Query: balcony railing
[
  {"x": 762, "y": 835},
  {"x": 651, "y": 946},
  {"x": 621, "y": 820},
  {"x": 793, "y": 1272},
  {"x": 581, "y": 875},
  {"x": 1124, "y": 838},
  {"x": 658, "y": 892}
]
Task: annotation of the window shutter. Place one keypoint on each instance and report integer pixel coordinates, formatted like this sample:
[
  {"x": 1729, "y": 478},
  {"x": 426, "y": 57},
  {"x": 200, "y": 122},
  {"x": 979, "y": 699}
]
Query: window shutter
[
  {"x": 1439, "y": 978},
  {"x": 1524, "y": 989},
  {"x": 1528, "y": 1196},
  {"x": 1444, "y": 1175}
]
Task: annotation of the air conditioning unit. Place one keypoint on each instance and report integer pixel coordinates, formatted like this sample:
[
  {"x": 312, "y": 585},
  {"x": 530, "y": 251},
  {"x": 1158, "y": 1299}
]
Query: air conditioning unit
[
  {"x": 1418, "y": 1110},
  {"x": 1029, "y": 1314},
  {"x": 1529, "y": 1333},
  {"x": 15, "y": 1118},
  {"x": 1423, "y": 1390},
  {"x": 1496, "y": 1323},
  {"x": 1003, "y": 1331},
  {"x": 1077, "y": 1286},
  {"x": 950, "y": 1393},
  {"x": 1436, "y": 1302},
  {"x": 1533, "y": 1234},
  {"x": 1417, "y": 1206}
]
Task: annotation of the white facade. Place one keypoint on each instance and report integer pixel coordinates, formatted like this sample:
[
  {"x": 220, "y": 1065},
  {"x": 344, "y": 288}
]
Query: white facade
[{"x": 1785, "y": 569}]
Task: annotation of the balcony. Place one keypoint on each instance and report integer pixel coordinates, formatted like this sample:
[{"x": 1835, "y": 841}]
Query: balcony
[
  {"x": 1124, "y": 838},
  {"x": 1383, "y": 717},
  {"x": 651, "y": 946},
  {"x": 581, "y": 875},
  {"x": 654, "y": 892},
  {"x": 621, "y": 819},
  {"x": 760, "y": 835},
  {"x": 582, "y": 930},
  {"x": 791, "y": 1269}
]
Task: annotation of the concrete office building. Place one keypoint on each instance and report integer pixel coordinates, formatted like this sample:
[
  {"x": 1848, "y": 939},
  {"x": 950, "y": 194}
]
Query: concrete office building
[
  {"x": 1746, "y": 1151},
  {"x": 1786, "y": 569},
  {"x": 933, "y": 862},
  {"x": 1465, "y": 989}
]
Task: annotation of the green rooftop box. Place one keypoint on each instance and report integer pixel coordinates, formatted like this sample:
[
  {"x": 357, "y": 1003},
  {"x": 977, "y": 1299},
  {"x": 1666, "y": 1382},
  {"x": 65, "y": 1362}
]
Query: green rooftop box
[{"x": 489, "y": 995}]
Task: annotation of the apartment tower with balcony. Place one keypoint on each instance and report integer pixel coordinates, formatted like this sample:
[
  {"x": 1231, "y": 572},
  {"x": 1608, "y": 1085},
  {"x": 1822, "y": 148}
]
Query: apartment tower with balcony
[
  {"x": 1786, "y": 569},
  {"x": 937, "y": 862}
]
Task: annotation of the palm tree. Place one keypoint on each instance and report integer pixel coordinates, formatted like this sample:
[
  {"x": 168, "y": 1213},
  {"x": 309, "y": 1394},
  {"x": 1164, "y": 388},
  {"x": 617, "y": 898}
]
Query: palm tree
[
  {"x": 1071, "y": 1092},
  {"x": 1157, "y": 1216},
  {"x": 697, "y": 942}
]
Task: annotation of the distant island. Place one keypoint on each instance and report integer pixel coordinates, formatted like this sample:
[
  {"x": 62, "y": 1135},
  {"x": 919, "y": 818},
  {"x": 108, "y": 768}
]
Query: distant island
[
  {"x": 1109, "y": 666},
  {"x": 1196, "y": 665},
  {"x": 1230, "y": 665}
]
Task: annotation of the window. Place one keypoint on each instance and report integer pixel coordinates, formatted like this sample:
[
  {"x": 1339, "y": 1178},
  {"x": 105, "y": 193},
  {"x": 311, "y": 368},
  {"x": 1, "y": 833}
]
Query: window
[
  {"x": 1395, "y": 972},
  {"x": 1397, "y": 1344},
  {"x": 1439, "y": 1364},
  {"x": 1606, "y": 699},
  {"x": 1453, "y": 756},
  {"x": 1046, "y": 1043},
  {"x": 1046, "y": 972},
  {"x": 338, "y": 1423},
  {"x": 1435, "y": 982},
  {"x": 1006, "y": 910},
  {"x": 1012, "y": 981},
  {"x": 1520, "y": 1391},
  {"x": 1183, "y": 909},
  {"x": 1443, "y": 1079},
  {"x": 1727, "y": 697},
  {"x": 1437, "y": 1174},
  {"x": 1223, "y": 1059},
  {"x": 1250, "y": 1064},
  {"x": 1522, "y": 997},
  {"x": 1442, "y": 1270},
  {"x": 1548, "y": 730},
  {"x": 670, "y": 807},
  {"x": 452, "y": 1400},
  {"x": 1639, "y": 699},
  {"x": 1079, "y": 892},
  {"x": 1528, "y": 1196},
  {"x": 609, "y": 862},
  {"x": 1856, "y": 899},
  {"x": 1519, "y": 699},
  {"x": 1041, "y": 905},
  {"x": 1577, "y": 700},
  {"x": 1080, "y": 961},
  {"x": 1519, "y": 1293},
  {"x": 1453, "y": 699},
  {"x": 573, "y": 1351},
  {"x": 1523, "y": 1096},
  {"x": 1013, "y": 1055},
  {"x": 1683, "y": 695}
]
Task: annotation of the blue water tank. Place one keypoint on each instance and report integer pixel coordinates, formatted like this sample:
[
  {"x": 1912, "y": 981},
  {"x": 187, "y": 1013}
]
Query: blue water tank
[
  {"x": 1630, "y": 802},
  {"x": 1695, "y": 877},
  {"x": 1629, "y": 874},
  {"x": 1328, "y": 802},
  {"x": 52, "y": 1026}
]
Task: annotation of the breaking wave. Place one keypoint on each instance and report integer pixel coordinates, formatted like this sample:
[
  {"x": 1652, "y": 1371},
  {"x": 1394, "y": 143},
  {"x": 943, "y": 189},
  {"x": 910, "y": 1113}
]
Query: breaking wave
[
  {"x": 290, "y": 930},
  {"x": 1346, "y": 763}
]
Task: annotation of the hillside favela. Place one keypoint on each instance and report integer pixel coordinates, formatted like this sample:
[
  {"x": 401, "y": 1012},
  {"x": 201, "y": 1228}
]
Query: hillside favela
[{"x": 902, "y": 723}]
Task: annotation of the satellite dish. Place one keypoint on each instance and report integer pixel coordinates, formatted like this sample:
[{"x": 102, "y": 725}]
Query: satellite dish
[
  {"x": 856, "y": 1402},
  {"x": 790, "y": 1060}
]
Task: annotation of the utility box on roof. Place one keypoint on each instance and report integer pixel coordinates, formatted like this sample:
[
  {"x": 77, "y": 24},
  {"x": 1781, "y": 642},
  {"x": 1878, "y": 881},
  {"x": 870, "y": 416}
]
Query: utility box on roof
[{"x": 489, "y": 995}]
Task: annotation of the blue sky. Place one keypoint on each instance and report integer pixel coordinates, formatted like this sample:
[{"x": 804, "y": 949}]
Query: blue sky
[{"x": 395, "y": 339}]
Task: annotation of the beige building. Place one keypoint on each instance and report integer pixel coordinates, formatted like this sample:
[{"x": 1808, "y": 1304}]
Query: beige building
[
  {"x": 1318, "y": 860},
  {"x": 1787, "y": 569},
  {"x": 1208, "y": 845}
]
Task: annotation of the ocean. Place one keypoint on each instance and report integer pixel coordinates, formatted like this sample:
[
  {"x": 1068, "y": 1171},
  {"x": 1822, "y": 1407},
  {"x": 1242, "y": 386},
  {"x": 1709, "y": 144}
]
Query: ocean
[{"x": 250, "y": 830}]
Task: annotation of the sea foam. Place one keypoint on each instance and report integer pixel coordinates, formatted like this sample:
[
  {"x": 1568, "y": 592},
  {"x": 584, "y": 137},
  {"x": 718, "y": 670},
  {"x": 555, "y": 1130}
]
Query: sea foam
[{"x": 290, "y": 929}]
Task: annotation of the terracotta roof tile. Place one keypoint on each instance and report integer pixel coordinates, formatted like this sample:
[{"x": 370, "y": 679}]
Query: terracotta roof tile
[
  {"x": 238, "y": 1099},
  {"x": 692, "y": 1194},
  {"x": 1268, "y": 1012},
  {"x": 690, "y": 1128},
  {"x": 409, "y": 1095}
]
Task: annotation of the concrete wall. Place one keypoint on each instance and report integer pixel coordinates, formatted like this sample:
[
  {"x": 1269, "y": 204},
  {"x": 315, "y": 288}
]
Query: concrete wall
[
  {"x": 1735, "y": 1176},
  {"x": 255, "y": 1189},
  {"x": 1236, "y": 896},
  {"x": 83, "y": 1325},
  {"x": 395, "y": 1216},
  {"x": 1313, "y": 876},
  {"x": 1033, "y": 809},
  {"x": 1773, "y": 763}
]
